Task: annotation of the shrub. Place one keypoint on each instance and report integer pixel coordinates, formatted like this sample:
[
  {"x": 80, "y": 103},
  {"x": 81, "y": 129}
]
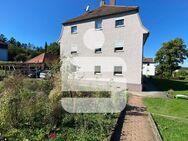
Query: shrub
[
  {"x": 30, "y": 112},
  {"x": 181, "y": 74}
]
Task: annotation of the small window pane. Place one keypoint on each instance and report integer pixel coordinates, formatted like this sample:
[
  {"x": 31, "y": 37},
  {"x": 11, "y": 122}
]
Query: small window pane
[
  {"x": 74, "y": 29},
  {"x": 74, "y": 52},
  {"x": 119, "y": 23},
  {"x": 118, "y": 49},
  {"x": 97, "y": 69},
  {"x": 98, "y": 24},
  {"x": 118, "y": 70},
  {"x": 98, "y": 50}
]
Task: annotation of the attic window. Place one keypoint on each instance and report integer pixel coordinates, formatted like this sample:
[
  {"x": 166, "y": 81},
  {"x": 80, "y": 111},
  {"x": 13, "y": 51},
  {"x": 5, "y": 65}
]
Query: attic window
[
  {"x": 73, "y": 29},
  {"x": 98, "y": 24},
  {"x": 119, "y": 23}
]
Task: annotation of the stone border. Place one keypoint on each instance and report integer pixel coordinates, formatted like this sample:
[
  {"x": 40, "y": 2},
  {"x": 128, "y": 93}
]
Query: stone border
[{"x": 154, "y": 128}]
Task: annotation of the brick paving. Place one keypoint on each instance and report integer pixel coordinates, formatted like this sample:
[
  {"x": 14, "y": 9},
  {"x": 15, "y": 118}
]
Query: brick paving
[{"x": 136, "y": 124}]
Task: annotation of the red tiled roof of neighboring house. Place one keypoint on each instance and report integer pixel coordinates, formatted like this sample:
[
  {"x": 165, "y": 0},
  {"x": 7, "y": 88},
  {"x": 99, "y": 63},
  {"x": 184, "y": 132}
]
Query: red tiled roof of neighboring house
[
  {"x": 148, "y": 60},
  {"x": 43, "y": 58},
  {"x": 102, "y": 12},
  {"x": 38, "y": 59}
]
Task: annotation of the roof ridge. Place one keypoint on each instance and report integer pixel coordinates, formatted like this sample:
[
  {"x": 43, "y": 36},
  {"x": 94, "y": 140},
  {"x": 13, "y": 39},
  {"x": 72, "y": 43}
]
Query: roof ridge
[
  {"x": 103, "y": 11},
  {"x": 120, "y": 6}
]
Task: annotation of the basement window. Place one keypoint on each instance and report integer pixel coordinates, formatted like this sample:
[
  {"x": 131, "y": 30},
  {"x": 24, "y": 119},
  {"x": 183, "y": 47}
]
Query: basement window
[
  {"x": 98, "y": 50},
  {"x": 97, "y": 70},
  {"x": 118, "y": 70}
]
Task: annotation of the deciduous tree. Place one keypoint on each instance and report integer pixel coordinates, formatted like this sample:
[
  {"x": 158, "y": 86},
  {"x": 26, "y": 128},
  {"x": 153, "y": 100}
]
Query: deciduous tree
[{"x": 170, "y": 56}]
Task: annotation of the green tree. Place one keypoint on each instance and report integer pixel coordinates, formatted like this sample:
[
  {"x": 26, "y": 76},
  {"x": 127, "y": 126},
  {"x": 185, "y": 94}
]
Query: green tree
[
  {"x": 170, "y": 56},
  {"x": 53, "y": 48},
  {"x": 3, "y": 38}
]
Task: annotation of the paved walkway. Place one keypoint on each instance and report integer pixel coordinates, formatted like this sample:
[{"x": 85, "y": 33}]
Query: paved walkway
[{"x": 136, "y": 125}]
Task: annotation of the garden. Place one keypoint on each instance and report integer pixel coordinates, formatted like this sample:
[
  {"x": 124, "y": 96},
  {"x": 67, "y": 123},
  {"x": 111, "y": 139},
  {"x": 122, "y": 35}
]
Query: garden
[
  {"x": 30, "y": 110},
  {"x": 170, "y": 114}
]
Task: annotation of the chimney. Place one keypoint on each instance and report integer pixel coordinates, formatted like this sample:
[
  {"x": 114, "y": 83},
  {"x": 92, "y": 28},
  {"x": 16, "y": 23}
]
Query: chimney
[
  {"x": 112, "y": 2},
  {"x": 102, "y": 3}
]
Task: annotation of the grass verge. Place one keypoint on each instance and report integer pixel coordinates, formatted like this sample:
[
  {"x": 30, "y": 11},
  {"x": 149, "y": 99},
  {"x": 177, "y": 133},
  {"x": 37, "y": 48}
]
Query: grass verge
[{"x": 171, "y": 117}]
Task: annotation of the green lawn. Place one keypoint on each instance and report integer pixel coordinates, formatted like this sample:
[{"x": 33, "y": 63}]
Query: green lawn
[
  {"x": 175, "y": 127},
  {"x": 172, "y": 130},
  {"x": 179, "y": 86}
]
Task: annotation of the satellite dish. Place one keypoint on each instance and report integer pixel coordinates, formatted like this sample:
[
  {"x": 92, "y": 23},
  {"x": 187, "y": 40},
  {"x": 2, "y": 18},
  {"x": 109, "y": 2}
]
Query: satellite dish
[{"x": 87, "y": 8}]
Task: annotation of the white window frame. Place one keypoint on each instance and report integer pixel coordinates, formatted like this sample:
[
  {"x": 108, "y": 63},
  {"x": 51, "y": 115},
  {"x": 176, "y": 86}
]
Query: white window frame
[
  {"x": 119, "y": 44},
  {"x": 97, "y": 50},
  {"x": 97, "y": 72},
  {"x": 118, "y": 19},
  {"x": 76, "y": 29},
  {"x": 74, "y": 50},
  {"x": 99, "y": 20},
  {"x": 118, "y": 73}
]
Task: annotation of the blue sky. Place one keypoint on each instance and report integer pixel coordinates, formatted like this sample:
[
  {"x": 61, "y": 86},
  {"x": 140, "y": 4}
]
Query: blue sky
[{"x": 37, "y": 21}]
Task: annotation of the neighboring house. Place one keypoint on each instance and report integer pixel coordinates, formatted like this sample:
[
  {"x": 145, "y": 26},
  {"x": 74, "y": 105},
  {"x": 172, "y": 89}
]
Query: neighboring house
[
  {"x": 3, "y": 51},
  {"x": 44, "y": 59},
  {"x": 107, "y": 44},
  {"x": 148, "y": 67}
]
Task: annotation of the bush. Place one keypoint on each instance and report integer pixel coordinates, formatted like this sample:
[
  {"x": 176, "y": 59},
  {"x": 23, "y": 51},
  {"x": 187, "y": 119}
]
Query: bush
[
  {"x": 181, "y": 74},
  {"x": 29, "y": 110}
]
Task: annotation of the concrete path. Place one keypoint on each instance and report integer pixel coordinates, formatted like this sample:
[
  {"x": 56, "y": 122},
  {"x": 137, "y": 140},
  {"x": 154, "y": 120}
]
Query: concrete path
[{"x": 136, "y": 125}]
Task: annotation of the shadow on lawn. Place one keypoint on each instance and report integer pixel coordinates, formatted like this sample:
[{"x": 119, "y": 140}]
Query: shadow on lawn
[{"x": 165, "y": 84}]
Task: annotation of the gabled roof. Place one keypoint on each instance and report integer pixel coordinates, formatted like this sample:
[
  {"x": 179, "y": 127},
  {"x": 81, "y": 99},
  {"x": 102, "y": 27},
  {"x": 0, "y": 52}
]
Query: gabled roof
[
  {"x": 148, "y": 60},
  {"x": 37, "y": 60},
  {"x": 43, "y": 58},
  {"x": 102, "y": 12}
]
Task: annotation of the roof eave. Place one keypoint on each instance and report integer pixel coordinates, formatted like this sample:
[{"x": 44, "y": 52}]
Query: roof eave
[{"x": 79, "y": 21}]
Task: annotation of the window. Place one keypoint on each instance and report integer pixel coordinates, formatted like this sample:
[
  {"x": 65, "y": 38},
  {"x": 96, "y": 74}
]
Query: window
[
  {"x": 119, "y": 46},
  {"x": 97, "y": 70},
  {"x": 120, "y": 23},
  {"x": 74, "y": 29},
  {"x": 118, "y": 49},
  {"x": 98, "y": 50},
  {"x": 118, "y": 70},
  {"x": 98, "y": 24},
  {"x": 74, "y": 50}
]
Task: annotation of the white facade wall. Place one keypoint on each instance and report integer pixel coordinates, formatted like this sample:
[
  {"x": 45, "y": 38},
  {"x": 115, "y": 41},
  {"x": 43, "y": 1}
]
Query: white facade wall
[
  {"x": 132, "y": 37},
  {"x": 149, "y": 69}
]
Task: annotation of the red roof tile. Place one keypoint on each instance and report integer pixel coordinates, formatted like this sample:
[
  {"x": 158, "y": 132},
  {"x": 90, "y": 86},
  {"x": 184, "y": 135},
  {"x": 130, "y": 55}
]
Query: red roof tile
[
  {"x": 38, "y": 59},
  {"x": 102, "y": 12}
]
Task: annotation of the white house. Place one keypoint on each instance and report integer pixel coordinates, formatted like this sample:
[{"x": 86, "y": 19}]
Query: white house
[
  {"x": 106, "y": 45},
  {"x": 148, "y": 67}
]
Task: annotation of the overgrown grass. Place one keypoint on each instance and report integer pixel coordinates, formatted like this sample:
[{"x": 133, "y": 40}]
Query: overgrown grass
[
  {"x": 31, "y": 109},
  {"x": 171, "y": 116},
  {"x": 179, "y": 86}
]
